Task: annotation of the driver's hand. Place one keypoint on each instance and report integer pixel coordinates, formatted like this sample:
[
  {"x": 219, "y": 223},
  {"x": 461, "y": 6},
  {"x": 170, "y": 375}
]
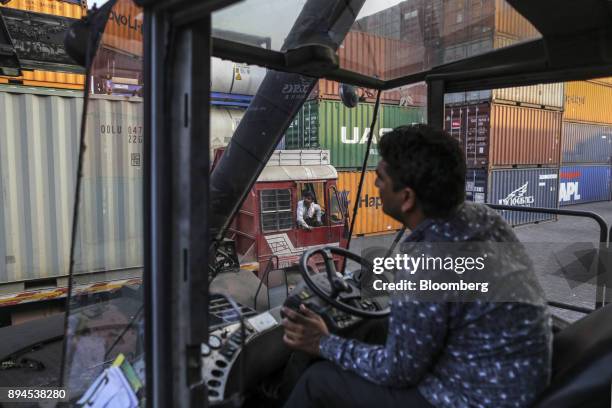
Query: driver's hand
[{"x": 303, "y": 330}]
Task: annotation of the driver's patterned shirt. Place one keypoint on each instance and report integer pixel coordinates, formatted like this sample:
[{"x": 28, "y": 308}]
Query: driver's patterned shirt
[{"x": 476, "y": 354}]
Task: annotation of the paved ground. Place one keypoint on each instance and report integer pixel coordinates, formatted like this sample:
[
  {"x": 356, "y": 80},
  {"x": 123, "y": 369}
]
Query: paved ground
[{"x": 562, "y": 252}]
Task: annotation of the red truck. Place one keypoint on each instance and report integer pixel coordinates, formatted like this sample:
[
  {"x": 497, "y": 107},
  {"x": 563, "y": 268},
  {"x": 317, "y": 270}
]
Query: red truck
[{"x": 266, "y": 227}]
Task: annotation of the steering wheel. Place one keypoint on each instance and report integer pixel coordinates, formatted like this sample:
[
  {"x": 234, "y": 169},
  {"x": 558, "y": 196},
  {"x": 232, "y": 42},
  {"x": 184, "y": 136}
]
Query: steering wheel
[{"x": 340, "y": 290}]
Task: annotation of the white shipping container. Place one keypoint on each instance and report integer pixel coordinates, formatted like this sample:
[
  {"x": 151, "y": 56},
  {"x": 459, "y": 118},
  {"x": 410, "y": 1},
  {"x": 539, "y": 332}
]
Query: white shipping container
[{"x": 39, "y": 147}]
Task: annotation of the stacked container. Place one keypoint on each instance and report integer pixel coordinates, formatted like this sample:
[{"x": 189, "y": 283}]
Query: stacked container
[
  {"x": 586, "y": 142},
  {"x": 30, "y": 19},
  {"x": 512, "y": 153}
]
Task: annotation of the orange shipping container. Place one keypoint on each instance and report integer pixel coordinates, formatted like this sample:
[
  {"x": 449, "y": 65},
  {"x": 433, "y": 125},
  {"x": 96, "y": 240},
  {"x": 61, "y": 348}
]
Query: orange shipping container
[
  {"x": 55, "y": 7},
  {"x": 370, "y": 217},
  {"x": 124, "y": 31},
  {"x": 469, "y": 20},
  {"x": 509, "y": 21},
  {"x": 496, "y": 136},
  {"x": 587, "y": 101}
]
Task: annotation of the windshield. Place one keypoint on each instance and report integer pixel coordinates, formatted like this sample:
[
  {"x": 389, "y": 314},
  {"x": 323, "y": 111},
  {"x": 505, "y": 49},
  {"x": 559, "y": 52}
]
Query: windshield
[
  {"x": 390, "y": 38},
  {"x": 105, "y": 318},
  {"x": 308, "y": 190}
]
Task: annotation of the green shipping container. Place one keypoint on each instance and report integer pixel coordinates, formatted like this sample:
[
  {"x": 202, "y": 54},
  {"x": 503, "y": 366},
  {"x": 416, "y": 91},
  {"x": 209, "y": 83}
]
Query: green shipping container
[{"x": 328, "y": 124}]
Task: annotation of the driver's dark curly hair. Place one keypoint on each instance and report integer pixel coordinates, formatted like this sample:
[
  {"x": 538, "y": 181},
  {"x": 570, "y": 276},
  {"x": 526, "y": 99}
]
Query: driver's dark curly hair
[{"x": 430, "y": 162}]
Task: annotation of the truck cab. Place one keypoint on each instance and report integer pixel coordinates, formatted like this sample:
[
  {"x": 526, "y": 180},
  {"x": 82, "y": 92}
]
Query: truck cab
[{"x": 266, "y": 230}]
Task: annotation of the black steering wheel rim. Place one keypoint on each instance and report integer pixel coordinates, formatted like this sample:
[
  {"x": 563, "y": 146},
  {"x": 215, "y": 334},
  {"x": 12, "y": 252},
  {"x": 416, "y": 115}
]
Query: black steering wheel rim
[{"x": 327, "y": 252}]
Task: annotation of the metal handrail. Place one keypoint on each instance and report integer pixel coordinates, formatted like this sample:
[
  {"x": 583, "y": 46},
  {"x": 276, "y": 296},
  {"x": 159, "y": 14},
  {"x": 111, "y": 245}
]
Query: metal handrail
[{"x": 603, "y": 239}]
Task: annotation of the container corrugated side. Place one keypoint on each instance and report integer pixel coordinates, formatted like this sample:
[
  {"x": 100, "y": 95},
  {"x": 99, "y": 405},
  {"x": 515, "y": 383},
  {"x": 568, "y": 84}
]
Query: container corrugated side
[
  {"x": 38, "y": 159},
  {"x": 363, "y": 52},
  {"x": 589, "y": 102},
  {"x": 370, "y": 216},
  {"x": 586, "y": 143},
  {"x": 604, "y": 80},
  {"x": 509, "y": 21},
  {"x": 110, "y": 223},
  {"x": 584, "y": 184},
  {"x": 47, "y": 79},
  {"x": 345, "y": 133},
  {"x": 467, "y": 20},
  {"x": 55, "y": 7},
  {"x": 534, "y": 187},
  {"x": 328, "y": 124},
  {"x": 541, "y": 95},
  {"x": 524, "y": 136}
]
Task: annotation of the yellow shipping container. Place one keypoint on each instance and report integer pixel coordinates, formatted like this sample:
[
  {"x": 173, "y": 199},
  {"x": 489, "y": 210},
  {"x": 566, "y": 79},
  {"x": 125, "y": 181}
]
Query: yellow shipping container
[
  {"x": 587, "y": 101},
  {"x": 370, "y": 217},
  {"x": 55, "y": 7},
  {"x": 606, "y": 80},
  {"x": 47, "y": 79}
]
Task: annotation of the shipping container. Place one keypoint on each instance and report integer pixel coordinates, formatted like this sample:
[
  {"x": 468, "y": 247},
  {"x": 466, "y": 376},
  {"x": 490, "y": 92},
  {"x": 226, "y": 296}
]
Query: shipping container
[
  {"x": 47, "y": 79},
  {"x": 465, "y": 20},
  {"x": 110, "y": 228},
  {"x": 71, "y": 8},
  {"x": 509, "y": 21},
  {"x": 38, "y": 161},
  {"x": 38, "y": 40},
  {"x": 535, "y": 187},
  {"x": 370, "y": 217},
  {"x": 548, "y": 96},
  {"x": 421, "y": 21},
  {"x": 524, "y": 187},
  {"x": 363, "y": 53},
  {"x": 604, "y": 80},
  {"x": 583, "y": 184},
  {"x": 496, "y": 135},
  {"x": 124, "y": 28},
  {"x": 328, "y": 124},
  {"x": 587, "y": 101},
  {"x": 586, "y": 143},
  {"x": 476, "y": 185}
]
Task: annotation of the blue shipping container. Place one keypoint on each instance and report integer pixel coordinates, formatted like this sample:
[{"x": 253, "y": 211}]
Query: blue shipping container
[
  {"x": 586, "y": 143},
  {"x": 583, "y": 184},
  {"x": 532, "y": 187}
]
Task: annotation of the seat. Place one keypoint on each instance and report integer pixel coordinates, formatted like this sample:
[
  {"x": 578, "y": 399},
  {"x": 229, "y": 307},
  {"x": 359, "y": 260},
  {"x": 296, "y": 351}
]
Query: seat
[{"x": 582, "y": 364}]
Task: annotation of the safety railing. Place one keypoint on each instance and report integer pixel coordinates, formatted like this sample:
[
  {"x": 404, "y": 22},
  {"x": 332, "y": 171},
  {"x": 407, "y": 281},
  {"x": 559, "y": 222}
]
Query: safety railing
[{"x": 602, "y": 280}]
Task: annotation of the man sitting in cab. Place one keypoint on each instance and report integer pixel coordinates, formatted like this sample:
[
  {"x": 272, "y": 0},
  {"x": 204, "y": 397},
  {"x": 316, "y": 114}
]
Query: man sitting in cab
[
  {"x": 437, "y": 353},
  {"x": 308, "y": 212}
]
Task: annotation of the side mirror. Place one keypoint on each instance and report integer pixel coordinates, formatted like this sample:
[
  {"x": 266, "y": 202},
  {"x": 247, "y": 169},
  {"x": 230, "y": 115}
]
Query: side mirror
[{"x": 348, "y": 95}]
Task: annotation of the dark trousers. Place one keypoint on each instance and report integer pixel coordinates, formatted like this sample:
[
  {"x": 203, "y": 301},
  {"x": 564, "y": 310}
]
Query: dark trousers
[{"x": 325, "y": 385}]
